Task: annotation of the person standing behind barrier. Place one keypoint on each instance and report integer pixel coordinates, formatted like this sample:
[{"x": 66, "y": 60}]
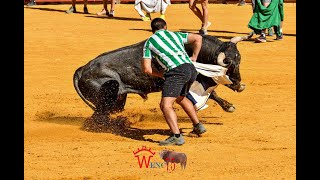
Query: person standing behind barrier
[
  {"x": 151, "y": 6},
  {"x": 203, "y": 16},
  {"x": 73, "y": 9},
  {"x": 105, "y": 11},
  {"x": 179, "y": 73}
]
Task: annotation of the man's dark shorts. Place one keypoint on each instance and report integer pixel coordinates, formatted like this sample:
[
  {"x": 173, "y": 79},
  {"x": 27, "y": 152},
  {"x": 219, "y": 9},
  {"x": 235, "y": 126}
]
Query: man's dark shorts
[{"x": 179, "y": 80}]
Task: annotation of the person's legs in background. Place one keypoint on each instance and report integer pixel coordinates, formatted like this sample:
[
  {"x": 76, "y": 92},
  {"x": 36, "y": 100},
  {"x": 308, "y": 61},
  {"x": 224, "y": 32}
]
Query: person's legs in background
[
  {"x": 113, "y": 4},
  {"x": 203, "y": 16},
  {"x": 73, "y": 9},
  {"x": 139, "y": 9},
  {"x": 104, "y": 11},
  {"x": 262, "y": 37}
]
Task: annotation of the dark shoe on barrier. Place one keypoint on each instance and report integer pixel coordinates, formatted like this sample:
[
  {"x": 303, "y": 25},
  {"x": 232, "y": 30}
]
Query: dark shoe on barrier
[{"x": 71, "y": 10}]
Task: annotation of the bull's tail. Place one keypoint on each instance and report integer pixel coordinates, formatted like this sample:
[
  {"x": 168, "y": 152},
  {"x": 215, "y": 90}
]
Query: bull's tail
[{"x": 76, "y": 78}]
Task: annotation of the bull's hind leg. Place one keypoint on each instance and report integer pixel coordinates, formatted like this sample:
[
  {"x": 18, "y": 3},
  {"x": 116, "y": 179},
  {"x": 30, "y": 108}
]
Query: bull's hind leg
[{"x": 226, "y": 106}]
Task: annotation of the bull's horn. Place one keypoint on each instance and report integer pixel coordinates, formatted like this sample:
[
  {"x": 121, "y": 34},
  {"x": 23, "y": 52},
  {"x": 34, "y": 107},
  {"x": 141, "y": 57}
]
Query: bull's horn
[
  {"x": 220, "y": 59},
  {"x": 237, "y": 39}
]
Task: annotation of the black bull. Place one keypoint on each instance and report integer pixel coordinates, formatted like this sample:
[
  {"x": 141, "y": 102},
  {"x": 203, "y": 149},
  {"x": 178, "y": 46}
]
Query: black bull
[{"x": 104, "y": 82}]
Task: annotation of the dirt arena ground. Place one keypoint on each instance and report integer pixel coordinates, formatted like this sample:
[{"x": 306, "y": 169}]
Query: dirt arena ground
[{"x": 257, "y": 141}]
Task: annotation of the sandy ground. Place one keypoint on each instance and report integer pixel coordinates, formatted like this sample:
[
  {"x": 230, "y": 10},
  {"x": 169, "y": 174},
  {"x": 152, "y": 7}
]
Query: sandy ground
[{"x": 257, "y": 141}]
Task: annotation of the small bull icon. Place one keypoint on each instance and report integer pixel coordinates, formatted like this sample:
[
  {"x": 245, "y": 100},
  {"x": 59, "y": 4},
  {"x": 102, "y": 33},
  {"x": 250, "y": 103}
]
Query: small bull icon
[{"x": 174, "y": 157}]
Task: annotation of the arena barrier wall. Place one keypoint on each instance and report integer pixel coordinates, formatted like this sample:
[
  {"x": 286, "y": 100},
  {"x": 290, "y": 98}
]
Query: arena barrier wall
[{"x": 132, "y": 1}]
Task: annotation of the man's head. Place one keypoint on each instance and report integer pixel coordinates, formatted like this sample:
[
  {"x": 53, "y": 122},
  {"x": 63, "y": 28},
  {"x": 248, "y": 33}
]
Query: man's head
[{"x": 157, "y": 24}]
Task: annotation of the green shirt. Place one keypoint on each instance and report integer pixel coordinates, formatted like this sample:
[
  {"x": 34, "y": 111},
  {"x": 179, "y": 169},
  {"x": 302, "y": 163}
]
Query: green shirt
[{"x": 168, "y": 48}]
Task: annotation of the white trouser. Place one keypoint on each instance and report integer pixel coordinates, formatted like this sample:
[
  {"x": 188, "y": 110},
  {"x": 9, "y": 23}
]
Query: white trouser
[{"x": 151, "y": 6}]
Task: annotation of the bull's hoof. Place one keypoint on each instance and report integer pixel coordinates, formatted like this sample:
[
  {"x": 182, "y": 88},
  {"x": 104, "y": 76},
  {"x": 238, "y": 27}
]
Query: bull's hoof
[
  {"x": 242, "y": 87},
  {"x": 228, "y": 108},
  {"x": 231, "y": 109}
]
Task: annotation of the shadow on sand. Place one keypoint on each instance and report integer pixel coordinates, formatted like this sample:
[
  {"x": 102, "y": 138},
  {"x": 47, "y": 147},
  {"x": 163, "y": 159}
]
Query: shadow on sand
[{"x": 119, "y": 125}]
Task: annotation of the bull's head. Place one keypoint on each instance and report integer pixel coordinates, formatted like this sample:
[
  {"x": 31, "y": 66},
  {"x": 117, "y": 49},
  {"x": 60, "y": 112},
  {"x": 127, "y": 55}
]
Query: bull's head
[{"x": 230, "y": 58}]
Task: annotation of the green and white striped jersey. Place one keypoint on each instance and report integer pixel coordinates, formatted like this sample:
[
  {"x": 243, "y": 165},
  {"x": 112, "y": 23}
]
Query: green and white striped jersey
[{"x": 168, "y": 48}]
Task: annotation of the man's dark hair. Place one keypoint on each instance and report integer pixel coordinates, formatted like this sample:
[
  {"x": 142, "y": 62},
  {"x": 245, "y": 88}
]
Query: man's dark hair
[{"x": 157, "y": 23}]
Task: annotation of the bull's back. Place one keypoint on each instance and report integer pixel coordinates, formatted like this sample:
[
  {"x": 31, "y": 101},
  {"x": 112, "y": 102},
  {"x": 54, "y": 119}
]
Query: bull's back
[{"x": 124, "y": 63}]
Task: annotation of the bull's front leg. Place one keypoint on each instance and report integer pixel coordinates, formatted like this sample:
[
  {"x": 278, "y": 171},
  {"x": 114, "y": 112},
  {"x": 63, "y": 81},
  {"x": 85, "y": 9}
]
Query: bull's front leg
[{"x": 226, "y": 106}]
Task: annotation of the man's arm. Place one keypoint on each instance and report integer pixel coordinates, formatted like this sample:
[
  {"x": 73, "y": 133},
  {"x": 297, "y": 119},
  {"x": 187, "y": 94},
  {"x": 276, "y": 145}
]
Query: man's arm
[
  {"x": 148, "y": 69},
  {"x": 196, "y": 41}
]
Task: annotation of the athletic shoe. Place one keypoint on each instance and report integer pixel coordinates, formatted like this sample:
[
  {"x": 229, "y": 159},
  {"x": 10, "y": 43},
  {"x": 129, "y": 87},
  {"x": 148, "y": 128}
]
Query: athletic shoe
[
  {"x": 199, "y": 129},
  {"x": 203, "y": 31},
  {"x": 162, "y": 16},
  {"x": 172, "y": 140},
  {"x": 111, "y": 14},
  {"x": 242, "y": 3},
  {"x": 71, "y": 10},
  {"x": 148, "y": 16},
  {"x": 270, "y": 32},
  {"x": 145, "y": 19},
  {"x": 85, "y": 10},
  {"x": 260, "y": 39},
  {"x": 103, "y": 12}
]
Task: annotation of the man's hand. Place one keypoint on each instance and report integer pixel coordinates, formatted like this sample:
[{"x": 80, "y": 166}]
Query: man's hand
[{"x": 194, "y": 59}]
